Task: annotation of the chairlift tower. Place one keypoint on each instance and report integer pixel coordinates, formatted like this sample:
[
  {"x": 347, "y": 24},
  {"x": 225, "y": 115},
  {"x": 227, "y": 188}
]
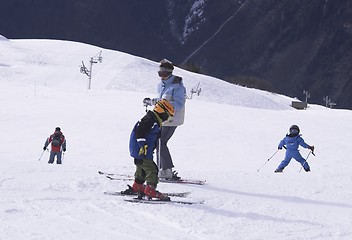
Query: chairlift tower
[
  {"x": 306, "y": 93},
  {"x": 97, "y": 58},
  {"x": 197, "y": 89},
  {"x": 328, "y": 102}
]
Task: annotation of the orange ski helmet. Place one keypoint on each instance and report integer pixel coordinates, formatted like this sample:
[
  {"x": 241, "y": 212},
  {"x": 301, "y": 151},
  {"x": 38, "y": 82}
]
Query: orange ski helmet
[{"x": 164, "y": 106}]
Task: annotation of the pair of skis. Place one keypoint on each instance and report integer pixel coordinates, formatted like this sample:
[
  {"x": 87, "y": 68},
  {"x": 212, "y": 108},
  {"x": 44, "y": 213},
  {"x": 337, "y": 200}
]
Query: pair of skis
[{"x": 139, "y": 199}]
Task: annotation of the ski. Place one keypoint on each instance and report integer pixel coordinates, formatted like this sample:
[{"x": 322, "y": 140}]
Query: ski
[
  {"x": 104, "y": 173},
  {"x": 124, "y": 177},
  {"x": 157, "y": 201},
  {"x": 127, "y": 178},
  {"x": 184, "y": 181},
  {"x": 171, "y": 194},
  {"x": 116, "y": 175}
]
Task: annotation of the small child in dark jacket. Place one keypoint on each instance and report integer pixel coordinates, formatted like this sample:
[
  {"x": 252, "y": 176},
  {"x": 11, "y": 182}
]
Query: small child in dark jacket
[
  {"x": 143, "y": 139},
  {"x": 292, "y": 142}
]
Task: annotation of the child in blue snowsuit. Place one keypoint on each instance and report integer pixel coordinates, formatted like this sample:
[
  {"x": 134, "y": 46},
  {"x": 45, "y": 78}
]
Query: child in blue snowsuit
[
  {"x": 292, "y": 142},
  {"x": 143, "y": 141}
]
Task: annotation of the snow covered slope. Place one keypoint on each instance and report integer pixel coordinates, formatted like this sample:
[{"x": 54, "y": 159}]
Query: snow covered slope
[
  {"x": 229, "y": 133},
  {"x": 56, "y": 64}
]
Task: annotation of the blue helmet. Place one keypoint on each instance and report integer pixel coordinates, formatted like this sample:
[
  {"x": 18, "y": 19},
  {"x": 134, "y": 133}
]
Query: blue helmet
[{"x": 294, "y": 130}]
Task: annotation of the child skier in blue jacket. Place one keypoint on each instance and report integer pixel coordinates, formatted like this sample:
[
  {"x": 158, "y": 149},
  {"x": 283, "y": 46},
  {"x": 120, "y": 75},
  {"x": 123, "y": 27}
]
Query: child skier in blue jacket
[
  {"x": 292, "y": 142},
  {"x": 143, "y": 141}
]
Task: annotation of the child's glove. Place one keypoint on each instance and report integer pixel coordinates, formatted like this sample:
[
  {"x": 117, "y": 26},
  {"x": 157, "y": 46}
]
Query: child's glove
[
  {"x": 311, "y": 148},
  {"x": 44, "y": 148},
  {"x": 143, "y": 150}
]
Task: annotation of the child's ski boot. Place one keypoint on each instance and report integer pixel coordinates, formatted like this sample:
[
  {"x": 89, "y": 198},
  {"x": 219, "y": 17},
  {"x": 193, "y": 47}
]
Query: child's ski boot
[
  {"x": 151, "y": 192},
  {"x": 136, "y": 188}
]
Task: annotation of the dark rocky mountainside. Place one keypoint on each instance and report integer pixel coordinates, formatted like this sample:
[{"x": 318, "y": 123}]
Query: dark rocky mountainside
[
  {"x": 290, "y": 46},
  {"x": 284, "y": 46}
]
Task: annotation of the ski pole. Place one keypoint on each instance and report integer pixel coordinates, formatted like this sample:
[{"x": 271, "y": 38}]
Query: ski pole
[
  {"x": 41, "y": 155},
  {"x": 310, "y": 152},
  {"x": 63, "y": 156},
  {"x": 268, "y": 160},
  {"x": 158, "y": 154}
]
